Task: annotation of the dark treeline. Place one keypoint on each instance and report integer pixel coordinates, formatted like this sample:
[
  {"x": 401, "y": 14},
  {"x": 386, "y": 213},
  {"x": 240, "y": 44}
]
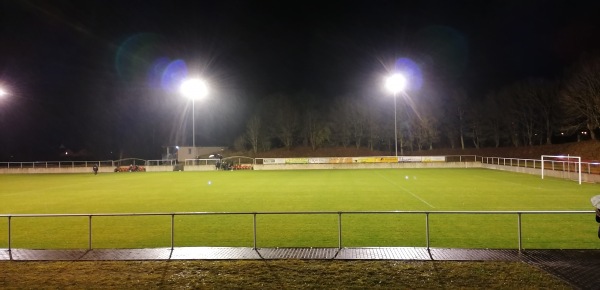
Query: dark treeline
[{"x": 529, "y": 112}]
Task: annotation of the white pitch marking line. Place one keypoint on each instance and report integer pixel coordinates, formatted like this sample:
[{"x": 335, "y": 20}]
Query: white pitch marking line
[{"x": 406, "y": 190}]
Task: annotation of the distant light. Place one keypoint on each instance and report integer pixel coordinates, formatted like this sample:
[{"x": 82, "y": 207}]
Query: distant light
[
  {"x": 177, "y": 147},
  {"x": 395, "y": 83},
  {"x": 194, "y": 89},
  {"x": 66, "y": 153}
]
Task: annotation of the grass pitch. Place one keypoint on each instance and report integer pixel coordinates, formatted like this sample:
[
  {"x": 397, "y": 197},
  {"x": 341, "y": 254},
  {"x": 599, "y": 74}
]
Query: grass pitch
[{"x": 305, "y": 190}]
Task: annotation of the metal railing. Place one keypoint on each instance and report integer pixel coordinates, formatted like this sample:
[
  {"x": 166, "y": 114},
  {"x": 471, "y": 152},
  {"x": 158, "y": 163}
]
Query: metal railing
[
  {"x": 164, "y": 162},
  {"x": 56, "y": 164},
  {"x": 339, "y": 214},
  {"x": 462, "y": 158},
  {"x": 556, "y": 165},
  {"x": 201, "y": 161}
]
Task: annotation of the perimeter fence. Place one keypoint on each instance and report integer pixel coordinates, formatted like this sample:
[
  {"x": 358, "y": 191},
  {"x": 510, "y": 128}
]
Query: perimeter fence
[
  {"x": 170, "y": 228},
  {"x": 587, "y": 167}
]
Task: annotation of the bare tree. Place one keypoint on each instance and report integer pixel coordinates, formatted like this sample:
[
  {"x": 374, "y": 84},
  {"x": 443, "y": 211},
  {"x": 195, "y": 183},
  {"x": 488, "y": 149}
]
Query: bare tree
[
  {"x": 286, "y": 122},
  {"x": 525, "y": 109},
  {"x": 317, "y": 132},
  {"x": 372, "y": 125},
  {"x": 510, "y": 119},
  {"x": 546, "y": 100},
  {"x": 475, "y": 124},
  {"x": 425, "y": 121},
  {"x": 494, "y": 113},
  {"x": 357, "y": 121},
  {"x": 239, "y": 144},
  {"x": 340, "y": 121},
  {"x": 454, "y": 125},
  {"x": 580, "y": 96},
  {"x": 253, "y": 131}
]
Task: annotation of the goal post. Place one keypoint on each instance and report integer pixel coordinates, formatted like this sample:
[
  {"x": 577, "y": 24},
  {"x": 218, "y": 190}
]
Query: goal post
[{"x": 563, "y": 159}]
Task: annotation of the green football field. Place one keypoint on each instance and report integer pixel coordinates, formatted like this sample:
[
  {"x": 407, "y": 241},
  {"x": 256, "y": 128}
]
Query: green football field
[{"x": 411, "y": 191}]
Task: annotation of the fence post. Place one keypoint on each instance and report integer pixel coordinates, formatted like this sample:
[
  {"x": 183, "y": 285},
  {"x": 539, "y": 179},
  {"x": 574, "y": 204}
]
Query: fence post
[
  {"x": 254, "y": 229},
  {"x": 427, "y": 228},
  {"x": 90, "y": 232},
  {"x": 339, "y": 230},
  {"x": 172, "y": 231},
  {"x": 9, "y": 234},
  {"x": 519, "y": 229}
]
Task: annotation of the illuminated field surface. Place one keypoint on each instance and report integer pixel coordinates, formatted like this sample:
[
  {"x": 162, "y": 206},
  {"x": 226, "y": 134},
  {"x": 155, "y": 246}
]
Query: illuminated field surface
[{"x": 428, "y": 190}]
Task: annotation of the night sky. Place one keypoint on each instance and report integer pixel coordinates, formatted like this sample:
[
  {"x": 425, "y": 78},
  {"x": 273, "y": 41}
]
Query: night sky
[{"x": 99, "y": 78}]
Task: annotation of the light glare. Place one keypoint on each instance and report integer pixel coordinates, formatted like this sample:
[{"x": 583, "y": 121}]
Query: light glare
[
  {"x": 395, "y": 83},
  {"x": 194, "y": 89}
]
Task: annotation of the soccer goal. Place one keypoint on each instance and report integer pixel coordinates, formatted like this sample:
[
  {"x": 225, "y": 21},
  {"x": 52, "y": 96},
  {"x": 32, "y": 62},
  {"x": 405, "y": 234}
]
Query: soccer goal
[{"x": 563, "y": 163}]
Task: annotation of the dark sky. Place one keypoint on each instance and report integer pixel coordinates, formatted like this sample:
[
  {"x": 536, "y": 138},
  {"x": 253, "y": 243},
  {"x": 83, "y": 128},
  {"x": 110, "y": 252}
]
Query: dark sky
[{"x": 100, "y": 75}]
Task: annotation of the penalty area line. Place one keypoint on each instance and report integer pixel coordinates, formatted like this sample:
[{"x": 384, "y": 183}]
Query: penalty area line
[{"x": 405, "y": 190}]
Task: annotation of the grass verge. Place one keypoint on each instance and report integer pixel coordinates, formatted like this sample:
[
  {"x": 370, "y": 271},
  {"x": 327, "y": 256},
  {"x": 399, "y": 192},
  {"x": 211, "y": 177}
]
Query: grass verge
[{"x": 275, "y": 274}]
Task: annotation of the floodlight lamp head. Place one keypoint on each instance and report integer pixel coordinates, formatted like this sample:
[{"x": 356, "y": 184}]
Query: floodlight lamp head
[
  {"x": 194, "y": 89},
  {"x": 395, "y": 83}
]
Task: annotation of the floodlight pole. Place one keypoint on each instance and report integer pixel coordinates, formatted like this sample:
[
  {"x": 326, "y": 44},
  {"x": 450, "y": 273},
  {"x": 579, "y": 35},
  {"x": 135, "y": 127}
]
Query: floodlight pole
[
  {"x": 194, "y": 125},
  {"x": 194, "y": 89},
  {"x": 395, "y": 125},
  {"x": 395, "y": 84}
]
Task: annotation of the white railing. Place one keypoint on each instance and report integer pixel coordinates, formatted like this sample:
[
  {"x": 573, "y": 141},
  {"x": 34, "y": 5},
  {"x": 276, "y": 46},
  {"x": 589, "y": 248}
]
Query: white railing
[
  {"x": 201, "y": 161},
  {"x": 165, "y": 162},
  {"x": 339, "y": 215},
  {"x": 56, "y": 164},
  {"x": 556, "y": 165},
  {"x": 592, "y": 168}
]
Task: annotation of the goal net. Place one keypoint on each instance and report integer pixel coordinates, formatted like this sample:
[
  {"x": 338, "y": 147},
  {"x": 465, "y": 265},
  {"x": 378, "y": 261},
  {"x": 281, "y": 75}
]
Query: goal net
[{"x": 571, "y": 165}]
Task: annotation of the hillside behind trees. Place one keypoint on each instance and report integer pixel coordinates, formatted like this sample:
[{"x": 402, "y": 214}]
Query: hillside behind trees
[{"x": 589, "y": 151}]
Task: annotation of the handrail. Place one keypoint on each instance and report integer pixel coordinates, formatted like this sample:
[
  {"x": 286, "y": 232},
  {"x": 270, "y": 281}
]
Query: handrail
[
  {"x": 254, "y": 214},
  {"x": 57, "y": 164},
  {"x": 591, "y": 167}
]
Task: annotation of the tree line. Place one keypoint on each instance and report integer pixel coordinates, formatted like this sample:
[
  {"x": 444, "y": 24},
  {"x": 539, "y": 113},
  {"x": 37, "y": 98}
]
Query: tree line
[{"x": 529, "y": 112}]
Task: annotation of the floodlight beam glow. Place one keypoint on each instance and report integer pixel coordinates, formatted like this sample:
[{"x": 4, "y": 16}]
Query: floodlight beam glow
[
  {"x": 395, "y": 83},
  {"x": 194, "y": 89}
]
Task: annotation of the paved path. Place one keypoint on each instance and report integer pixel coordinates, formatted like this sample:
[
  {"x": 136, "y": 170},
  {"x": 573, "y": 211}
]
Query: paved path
[{"x": 580, "y": 268}]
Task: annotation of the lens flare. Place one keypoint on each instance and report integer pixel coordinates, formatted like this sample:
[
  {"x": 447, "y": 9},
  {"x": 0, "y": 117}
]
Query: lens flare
[
  {"x": 136, "y": 54},
  {"x": 155, "y": 72},
  {"x": 411, "y": 72},
  {"x": 173, "y": 75}
]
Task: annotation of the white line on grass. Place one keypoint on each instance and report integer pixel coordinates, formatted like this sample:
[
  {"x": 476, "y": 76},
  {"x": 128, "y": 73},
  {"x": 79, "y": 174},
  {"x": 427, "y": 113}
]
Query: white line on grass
[{"x": 405, "y": 190}]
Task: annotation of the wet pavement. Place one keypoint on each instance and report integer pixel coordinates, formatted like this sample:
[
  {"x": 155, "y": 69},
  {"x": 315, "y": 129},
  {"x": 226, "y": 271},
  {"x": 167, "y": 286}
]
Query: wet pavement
[{"x": 579, "y": 268}]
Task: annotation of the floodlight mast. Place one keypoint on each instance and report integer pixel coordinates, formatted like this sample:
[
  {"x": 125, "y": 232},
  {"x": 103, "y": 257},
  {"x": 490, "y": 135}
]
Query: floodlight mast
[
  {"x": 194, "y": 89},
  {"x": 395, "y": 84}
]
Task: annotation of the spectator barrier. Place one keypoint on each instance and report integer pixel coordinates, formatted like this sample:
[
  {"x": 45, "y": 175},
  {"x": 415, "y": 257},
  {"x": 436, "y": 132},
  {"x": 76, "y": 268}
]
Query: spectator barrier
[{"x": 171, "y": 227}]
